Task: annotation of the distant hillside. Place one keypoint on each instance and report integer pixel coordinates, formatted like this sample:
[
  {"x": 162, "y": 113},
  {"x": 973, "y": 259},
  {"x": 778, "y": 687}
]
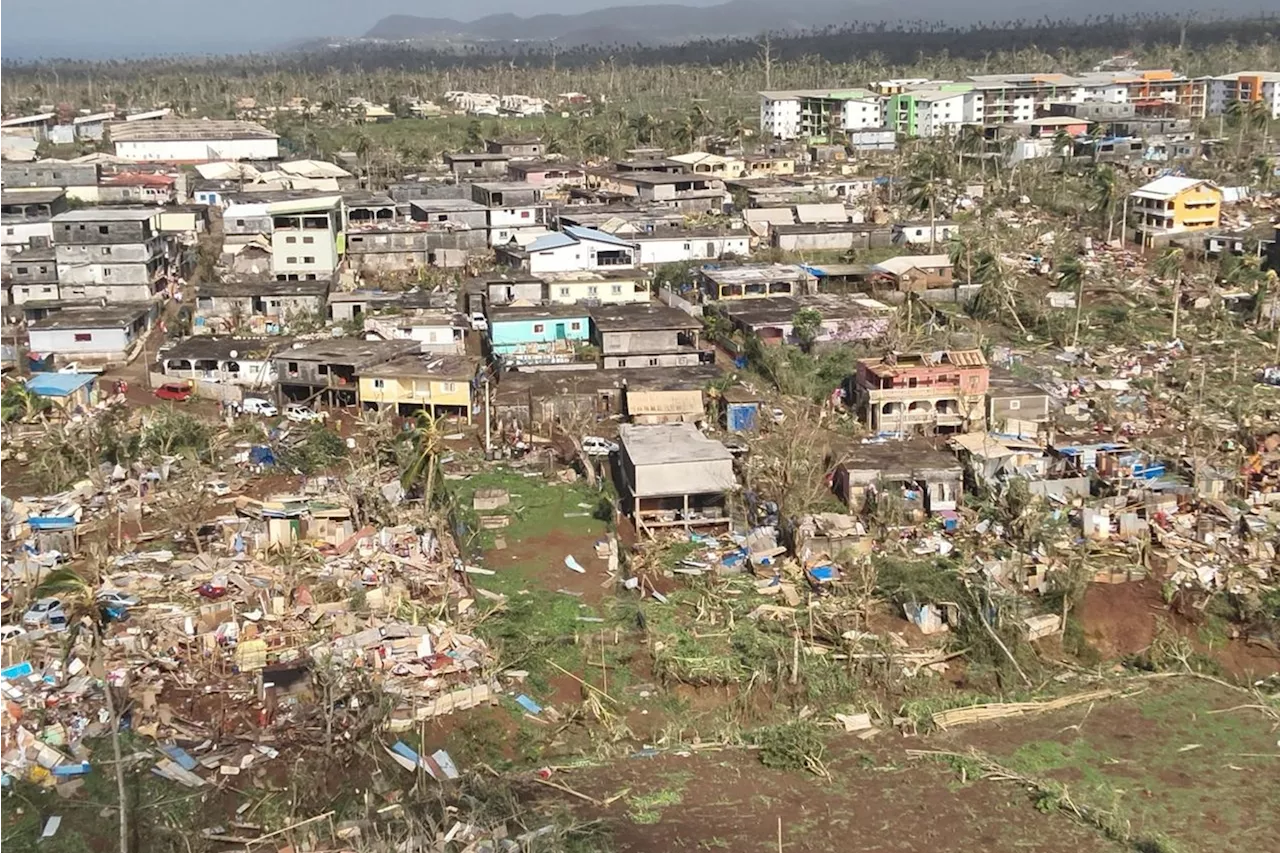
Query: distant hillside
[{"x": 666, "y": 24}]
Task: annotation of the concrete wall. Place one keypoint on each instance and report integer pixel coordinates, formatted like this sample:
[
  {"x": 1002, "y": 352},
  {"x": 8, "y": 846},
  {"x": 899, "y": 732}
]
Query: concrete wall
[
  {"x": 646, "y": 341},
  {"x": 632, "y": 360},
  {"x": 114, "y": 253},
  {"x": 104, "y": 343},
  {"x": 115, "y": 293},
  {"x": 200, "y": 150},
  {"x": 675, "y": 478},
  {"x": 677, "y": 249}
]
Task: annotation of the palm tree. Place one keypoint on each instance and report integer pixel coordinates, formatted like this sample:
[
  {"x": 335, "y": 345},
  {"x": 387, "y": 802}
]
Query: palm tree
[
  {"x": 427, "y": 440},
  {"x": 1063, "y": 142},
  {"x": 644, "y": 128},
  {"x": 1104, "y": 191},
  {"x": 969, "y": 143},
  {"x": 1168, "y": 267},
  {"x": 960, "y": 250},
  {"x": 81, "y": 606},
  {"x": 20, "y": 403},
  {"x": 1071, "y": 273},
  {"x": 922, "y": 194}
]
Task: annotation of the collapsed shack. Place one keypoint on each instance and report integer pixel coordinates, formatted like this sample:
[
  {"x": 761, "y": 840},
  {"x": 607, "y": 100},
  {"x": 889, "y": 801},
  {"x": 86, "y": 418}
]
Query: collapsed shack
[{"x": 912, "y": 475}]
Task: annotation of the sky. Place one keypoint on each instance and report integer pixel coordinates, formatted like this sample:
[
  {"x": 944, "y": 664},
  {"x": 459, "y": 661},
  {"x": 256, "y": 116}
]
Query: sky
[{"x": 102, "y": 29}]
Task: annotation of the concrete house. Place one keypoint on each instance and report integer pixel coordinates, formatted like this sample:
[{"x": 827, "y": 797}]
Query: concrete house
[
  {"x": 98, "y": 333},
  {"x": 470, "y": 164},
  {"x": 674, "y": 476},
  {"x": 752, "y": 281},
  {"x": 243, "y": 361},
  {"x": 649, "y": 335},
  {"x": 80, "y": 180},
  {"x": 941, "y": 392},
  {"x": 680, "y": 245},
  {"x": 917, "y": 233},
  {"x": 610, "y": 287},
  {"x": 26, "y": 217},
  {"x": 510, "y": 290},
  {"x": 538, "y": 335},
  {"x": 533, "y": 399},
  {"x": 913, "y": 273},
  {"x": 439, "y": 384},
  {"x": 307, "y": 238},
  {"x": 911, "y": 474},
  {"x": 546, "y": 174},
  {"x": 34, "y": 275},
  {"x": 516, "y": 147},
  {"x": 844, "y": 318},
  {"x": 116, "y": 254},
  {"x": 258, "y": 304},
  {"x": 329, "y": 371},
  {"x": 1014, "y": 406},
  {"x": 457, "y": 213},
  {"x": 404, "y": 247},
  {"x": 573, "y": 249},
  {"x": 513, "y": 209},
  {"x": 1172, "y": 205},
  {"x": 137, "y": 188},
  {"x": 688, "y": 193},
  {"x": 436, "y": 330}
]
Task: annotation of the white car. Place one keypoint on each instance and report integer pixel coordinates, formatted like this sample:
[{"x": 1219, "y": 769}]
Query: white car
[
  {"x": 479, "y": 322},
  {"x": 594, "y": 445},
  {"x": 116, "y": 598},
  {"x": 46, "y": 611},
  {"x": 259, "y": 406},
  {"x": 11, "y": 632},
  {"x": 301, "y": 414}
]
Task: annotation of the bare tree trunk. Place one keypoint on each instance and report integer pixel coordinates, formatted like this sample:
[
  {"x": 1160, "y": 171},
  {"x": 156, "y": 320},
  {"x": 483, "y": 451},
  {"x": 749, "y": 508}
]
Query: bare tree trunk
[
  {"x": 122, "y": 794},
  {"x": 1177, "y": 307},
  {"x": 1075, "y": 335}
]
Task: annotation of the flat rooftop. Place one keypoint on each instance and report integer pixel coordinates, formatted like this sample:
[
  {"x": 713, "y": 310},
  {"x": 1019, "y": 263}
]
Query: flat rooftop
[
  {"x": 264, "y": 287},
  {"x": 755, "y": 273},
  {"x": 503, "y": 313},
  {"x": 109, "y": 214},
  {"x": 651, "y": 316},
  {"x": 452, "y": 205},
  {"x": 31, "y": 195},
  {"x": 518, "y": 386},
  {"x": 348, "y": 351},
  {"x": 893, "y": 459},
  {"x": 460, "y": 367},
  {"x": 667, "y": 444},
  {"x": 221, "y": 348},
  {"x": 96, "y": 317},
  {"x": 781, "y": 309}
]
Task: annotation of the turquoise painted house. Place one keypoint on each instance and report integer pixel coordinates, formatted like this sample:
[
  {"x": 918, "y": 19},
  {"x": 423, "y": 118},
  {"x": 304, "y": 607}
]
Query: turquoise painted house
[{"x": 540, "y": 334}]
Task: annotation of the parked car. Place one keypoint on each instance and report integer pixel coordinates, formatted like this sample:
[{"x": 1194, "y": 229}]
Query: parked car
[
  {"x": 43, "y": 613},
  {"x": 175, "y": 391},
  {"x": 116, "y": 598},
  {"x": 11, "y": 632},
  {"x": 736, "y": 445},
  {"x": 778, "y": 415},
  {"x": 259, "y": 406},
  {"x": 594, "y": 445},
  {"x": 217, "y": 488},
  {"x": 479, "y": 322},
  {"x": 301, "y": 414}
]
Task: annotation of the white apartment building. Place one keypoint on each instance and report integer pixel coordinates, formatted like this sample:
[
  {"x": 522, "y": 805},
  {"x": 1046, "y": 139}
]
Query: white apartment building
[
  {"x": 306, "y": 237},
  {"x": 818, "y": 113},
  {"x": 1246, "y": 86},
  {"x": 942, "y": 113}
]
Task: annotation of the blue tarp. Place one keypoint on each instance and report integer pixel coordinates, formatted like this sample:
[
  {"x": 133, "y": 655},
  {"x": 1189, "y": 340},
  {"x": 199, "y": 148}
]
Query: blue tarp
[
  {"x": 52, "y": 522},
  {"x": 261, "y": 455}
]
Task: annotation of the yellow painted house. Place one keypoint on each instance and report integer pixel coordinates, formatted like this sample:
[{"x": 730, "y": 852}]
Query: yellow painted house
[
  {"x": 606, "y": 287},
  {"x": 1172, "y": 205},
  {"x": 439, "y": 384}
]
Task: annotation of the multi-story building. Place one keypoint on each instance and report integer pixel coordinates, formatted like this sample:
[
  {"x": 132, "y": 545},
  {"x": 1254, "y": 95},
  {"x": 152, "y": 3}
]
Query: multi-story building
[
  {"x": 817, "y": 114},
  {"x": 115, "y": 254},
  {"x": 513, "y": 209},
  {"x": 1245, "y": 87},
  {"x": 904, "y": 393},
  {"x": 1172, "y": 205},
  {"x": 307, "y": 239},
  {"x": 930, "y": 112}
]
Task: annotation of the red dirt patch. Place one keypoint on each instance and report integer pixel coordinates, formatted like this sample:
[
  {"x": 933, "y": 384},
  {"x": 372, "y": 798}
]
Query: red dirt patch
[{"x": 1120, "y": 619}]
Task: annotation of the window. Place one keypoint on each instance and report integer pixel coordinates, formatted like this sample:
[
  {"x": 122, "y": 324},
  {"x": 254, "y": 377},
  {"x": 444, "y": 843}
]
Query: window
[
  {"x": 564, "y": 291},
  {"x": 46, "y": 290},
  {"x": 106, "y": 272},
  {"x": 379, "y": 383},
  {"x": 622, "y": 362},
  {"x": 106, "y": 250},
  {"x": 104, "y": 229},
  {"x": 82, "y": 337},
  {"x": 291, "y": 239},
  {"x": 617, "y": 289},
  {"x": 22, "y": 270},
  {"x": 575, "y": 326},
  {"x": 524, "y": 214},
  {"x": 309, "y": 259},
  {"x": 239, "y": 223},
  {"x": 293, "y": 368},
  {"x": 308, "y": 239},
  {"x": 686, "y": 247},
  {"x": 322, "y": 369},
  {"x": 1014, "y": 405},
  {"x": 447, "y": 387},
  {"x": 291, "y": 260},
  {"x": 592, "y": 290},
  {"x": 539, "y": 328},
  {"x": 653, "y": 362}
]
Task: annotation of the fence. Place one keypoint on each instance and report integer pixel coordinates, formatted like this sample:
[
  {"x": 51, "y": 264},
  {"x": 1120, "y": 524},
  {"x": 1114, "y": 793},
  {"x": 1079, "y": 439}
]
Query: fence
[{"x": 668, "y": 297}]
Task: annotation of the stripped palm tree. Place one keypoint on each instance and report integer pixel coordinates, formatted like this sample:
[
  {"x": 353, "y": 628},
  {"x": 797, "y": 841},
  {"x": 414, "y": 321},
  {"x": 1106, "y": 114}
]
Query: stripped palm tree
[
  {"x": 427, "y": 442},
  {"x": 1071, "y": 274}
]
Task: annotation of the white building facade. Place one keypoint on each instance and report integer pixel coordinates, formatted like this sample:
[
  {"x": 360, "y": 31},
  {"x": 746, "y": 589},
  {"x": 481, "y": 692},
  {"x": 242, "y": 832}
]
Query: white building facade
[{"x": 1246, "y": 87}]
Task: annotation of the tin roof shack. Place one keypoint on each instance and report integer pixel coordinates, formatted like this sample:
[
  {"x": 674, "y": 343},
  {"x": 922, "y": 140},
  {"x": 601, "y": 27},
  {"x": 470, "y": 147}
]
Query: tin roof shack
[
  {"x": 27, "y": 218},
  {"x": 996, "y": 458},
  {"x": 68, "y": 392},
  {"x": 115, "y": 254},
  {"x": 647, "y": 335},
  {"x": 109, "y": 333},
  {"x": 753, "y": 281},
  {"x": 440, "y": 384},
  {"x": 941, "y": 392},
  {"x": 1016, "y": 407},
  {"x": 674, "y": 476},
  {"x": 907, "y": 476},
  {"x": 476, "y": 164},
  {"x": 844, "y": 319},
  {"x": 539, "y": 335},
  {"x": 230, "y": 361},
  {"x": 1118, "y": 464},
  {"x": 330, "y": 370},
  {"x": 914, "y": 273},
  {"x": 258, "y": 304},
  {"x": 532, "y": 401}
]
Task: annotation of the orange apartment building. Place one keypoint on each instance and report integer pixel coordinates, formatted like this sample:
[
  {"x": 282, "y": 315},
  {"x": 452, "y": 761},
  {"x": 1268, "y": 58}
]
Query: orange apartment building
[{"x": 925, "y": 392}]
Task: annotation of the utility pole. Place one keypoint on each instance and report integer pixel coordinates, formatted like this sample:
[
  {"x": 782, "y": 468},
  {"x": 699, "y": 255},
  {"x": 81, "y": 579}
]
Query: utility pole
[{"x": 488, "y": 443}]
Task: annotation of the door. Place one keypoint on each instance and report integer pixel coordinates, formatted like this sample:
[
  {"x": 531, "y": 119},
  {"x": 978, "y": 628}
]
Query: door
[{"x": 560, "y": 333}]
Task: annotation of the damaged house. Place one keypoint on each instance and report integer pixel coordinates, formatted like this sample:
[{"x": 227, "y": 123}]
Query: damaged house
[
  {"x": 902, "y": 393},
  {"x": 649, "y": 335},
  {"x": 674, "y": 476},
  {"x": 912, "y": 473}
]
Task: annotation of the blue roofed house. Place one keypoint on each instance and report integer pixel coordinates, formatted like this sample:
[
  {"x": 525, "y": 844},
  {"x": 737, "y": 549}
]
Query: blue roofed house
[
  {"x": 573, "y": 249},
  {"x": 67, "y": 391},
  {"x": 539, "y": 334}
]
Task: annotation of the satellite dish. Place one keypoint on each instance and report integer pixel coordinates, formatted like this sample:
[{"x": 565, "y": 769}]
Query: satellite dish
[{"x": 234, "y": 354}]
